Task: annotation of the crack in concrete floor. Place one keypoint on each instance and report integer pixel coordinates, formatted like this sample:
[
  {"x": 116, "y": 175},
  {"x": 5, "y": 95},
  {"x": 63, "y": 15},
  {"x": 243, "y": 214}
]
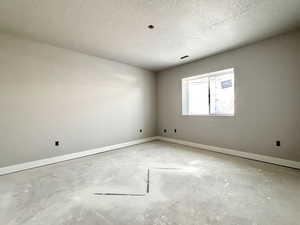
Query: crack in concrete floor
[{"x": 147, "y": 183}]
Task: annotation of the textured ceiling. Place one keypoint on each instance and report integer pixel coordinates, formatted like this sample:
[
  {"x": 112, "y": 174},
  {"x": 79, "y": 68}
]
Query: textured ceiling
[{"x": 117, "y": 29}]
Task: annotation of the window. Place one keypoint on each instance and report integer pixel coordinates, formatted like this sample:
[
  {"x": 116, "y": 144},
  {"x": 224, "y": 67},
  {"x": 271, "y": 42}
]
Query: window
[{"x": 209, "y": 94}]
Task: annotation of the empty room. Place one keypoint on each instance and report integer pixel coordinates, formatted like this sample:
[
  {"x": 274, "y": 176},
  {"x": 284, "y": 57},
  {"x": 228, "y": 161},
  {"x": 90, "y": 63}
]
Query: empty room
[{"x": 149, "y": 112}]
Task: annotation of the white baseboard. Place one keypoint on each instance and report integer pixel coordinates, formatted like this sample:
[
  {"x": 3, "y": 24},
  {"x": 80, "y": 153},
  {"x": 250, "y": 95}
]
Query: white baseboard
[
  {"x": 263, "y": 158},
  {"x": 48, "y": 161},
  {"x": 44, "y": 162}
]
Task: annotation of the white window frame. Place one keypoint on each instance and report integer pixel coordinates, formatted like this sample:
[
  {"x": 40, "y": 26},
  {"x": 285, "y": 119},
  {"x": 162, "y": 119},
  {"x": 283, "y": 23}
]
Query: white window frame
[{"x": 185, "y": 93}]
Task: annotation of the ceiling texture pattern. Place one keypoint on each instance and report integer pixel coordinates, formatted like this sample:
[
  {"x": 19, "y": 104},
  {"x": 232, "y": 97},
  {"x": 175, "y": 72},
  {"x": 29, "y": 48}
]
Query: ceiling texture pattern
[{"x": 118, "y": 29}]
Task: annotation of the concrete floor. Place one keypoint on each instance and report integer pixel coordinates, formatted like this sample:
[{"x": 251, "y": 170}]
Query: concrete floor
[{"x": 187, "y": 187}]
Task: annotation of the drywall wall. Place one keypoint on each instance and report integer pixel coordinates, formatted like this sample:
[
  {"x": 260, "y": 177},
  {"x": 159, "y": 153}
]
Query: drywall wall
[
  {"x": 267, "y": 82},
  {"x": 49, "y": 94}
]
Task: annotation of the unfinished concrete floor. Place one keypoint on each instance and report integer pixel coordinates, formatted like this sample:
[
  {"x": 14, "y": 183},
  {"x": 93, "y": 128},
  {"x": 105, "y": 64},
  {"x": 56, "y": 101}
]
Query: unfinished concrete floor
[{"x": 187, "y": 187}]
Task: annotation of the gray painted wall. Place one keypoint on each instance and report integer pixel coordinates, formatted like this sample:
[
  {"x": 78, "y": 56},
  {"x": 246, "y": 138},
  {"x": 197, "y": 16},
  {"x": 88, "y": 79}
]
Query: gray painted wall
[
  {"x": 267, "y": 76},
  {"x": 49, "y": 94}
]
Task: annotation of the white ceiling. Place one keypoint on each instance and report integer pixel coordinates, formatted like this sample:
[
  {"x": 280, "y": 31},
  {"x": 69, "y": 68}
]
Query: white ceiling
[{"x": 117, "y": 29}]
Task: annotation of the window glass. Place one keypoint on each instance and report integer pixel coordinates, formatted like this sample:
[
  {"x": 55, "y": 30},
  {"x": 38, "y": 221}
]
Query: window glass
[
  {"x": 222, "y": 94},
  {"x": 210, "y": 94},
  {"x": 198, "y": 97}
]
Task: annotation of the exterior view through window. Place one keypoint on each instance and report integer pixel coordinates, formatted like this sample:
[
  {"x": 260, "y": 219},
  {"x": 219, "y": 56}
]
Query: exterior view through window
[{"x": 209, "y": 94}]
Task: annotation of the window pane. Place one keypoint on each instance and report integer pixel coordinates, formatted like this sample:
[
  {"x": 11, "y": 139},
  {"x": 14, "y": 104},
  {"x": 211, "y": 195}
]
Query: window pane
[
  {"x": 198, "y": 97},
  {"x": 222, "y": 94}
]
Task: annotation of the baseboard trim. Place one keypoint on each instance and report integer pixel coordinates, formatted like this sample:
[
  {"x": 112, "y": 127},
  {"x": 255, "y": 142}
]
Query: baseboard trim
[
  {"x": 247, "y": 155},
  {"x": 57, "y": 159},
  {"x": 52, "y": 160}
]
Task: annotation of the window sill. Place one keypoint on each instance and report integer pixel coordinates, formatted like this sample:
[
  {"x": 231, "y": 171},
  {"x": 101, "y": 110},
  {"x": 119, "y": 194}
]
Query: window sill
[{"x": 199, "y": 115}]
